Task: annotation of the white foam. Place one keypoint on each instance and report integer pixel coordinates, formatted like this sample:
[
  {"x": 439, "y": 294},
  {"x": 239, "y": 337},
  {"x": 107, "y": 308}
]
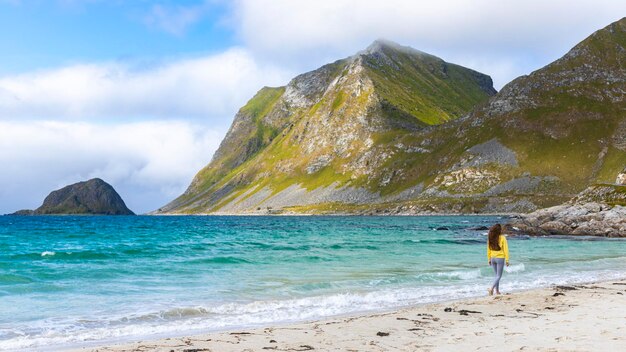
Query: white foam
[
  {"x": 515, "y": 268},
  {"x": 47, "y": 253},
  {"x": 461, "y": 274}
]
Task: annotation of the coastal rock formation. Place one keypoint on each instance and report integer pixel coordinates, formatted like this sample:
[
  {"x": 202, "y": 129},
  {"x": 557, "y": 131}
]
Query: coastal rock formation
[
  {"x": 589, "y": 219},
  {"x": 598, "y": 211},
  {"x": 89, "y": 197},
  {"x": 395, "y": 130}
]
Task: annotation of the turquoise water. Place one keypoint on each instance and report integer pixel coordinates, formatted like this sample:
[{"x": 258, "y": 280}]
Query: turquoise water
[{"x": 71, "y": 280}]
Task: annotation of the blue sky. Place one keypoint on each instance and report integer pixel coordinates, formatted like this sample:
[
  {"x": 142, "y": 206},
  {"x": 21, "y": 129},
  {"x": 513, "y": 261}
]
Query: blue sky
[
  {"x": 43, "y": 34},
  {"x": 140, "y": 93}
]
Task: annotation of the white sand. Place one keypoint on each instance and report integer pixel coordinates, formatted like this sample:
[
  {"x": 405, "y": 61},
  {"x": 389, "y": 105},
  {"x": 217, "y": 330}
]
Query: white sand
[{"x": 591, "y": 317}]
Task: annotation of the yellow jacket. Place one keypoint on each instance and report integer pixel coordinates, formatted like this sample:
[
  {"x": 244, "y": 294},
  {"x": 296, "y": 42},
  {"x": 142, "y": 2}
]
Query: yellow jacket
[{"x": 502, "y": 253}]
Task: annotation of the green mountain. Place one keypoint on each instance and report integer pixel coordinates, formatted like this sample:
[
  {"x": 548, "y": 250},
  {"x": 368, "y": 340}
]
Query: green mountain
[
  {"x": 562, "y": 128},
  {"x": 380, "y": 132},
  {"x": 330, "y": 128}
]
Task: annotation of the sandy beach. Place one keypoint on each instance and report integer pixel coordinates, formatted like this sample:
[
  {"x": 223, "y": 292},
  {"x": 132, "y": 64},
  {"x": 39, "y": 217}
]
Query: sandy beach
[{"x": 589, "y": 317}]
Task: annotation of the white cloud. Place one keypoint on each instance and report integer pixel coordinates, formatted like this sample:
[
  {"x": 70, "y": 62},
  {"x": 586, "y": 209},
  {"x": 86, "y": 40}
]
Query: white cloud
[
  {"x": 174, "y": 19},
  {"x": 210, "y": 88},
  {"x": 116, "y": 121},
  {"x": 520, "y": 35},
  {"x": 149, "y": 163}
]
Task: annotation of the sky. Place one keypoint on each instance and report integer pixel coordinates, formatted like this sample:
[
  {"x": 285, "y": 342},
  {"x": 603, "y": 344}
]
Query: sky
[{"x": 140, "y": 93}]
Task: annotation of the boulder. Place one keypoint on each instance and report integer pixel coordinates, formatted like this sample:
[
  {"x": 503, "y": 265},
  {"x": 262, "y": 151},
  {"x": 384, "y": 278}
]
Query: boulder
[{"x": 556, "y": 227}]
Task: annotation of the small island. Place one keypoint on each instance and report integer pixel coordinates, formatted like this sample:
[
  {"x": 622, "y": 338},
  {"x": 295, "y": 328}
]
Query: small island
[{"x": 92, "y": 197}]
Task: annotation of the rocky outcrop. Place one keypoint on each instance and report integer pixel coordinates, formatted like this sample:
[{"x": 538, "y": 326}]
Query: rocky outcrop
[
  {"x": 600, "y": 210},
  {"x": 621, "y": 178},
  {"x": 588, "y": 219},
  {"x": 93, "y": 197}
]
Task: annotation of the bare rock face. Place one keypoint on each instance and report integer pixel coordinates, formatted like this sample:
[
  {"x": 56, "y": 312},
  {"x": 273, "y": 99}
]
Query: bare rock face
[
  {"x": 621, "y": 178},
  {"x": 93, "y": 197}
]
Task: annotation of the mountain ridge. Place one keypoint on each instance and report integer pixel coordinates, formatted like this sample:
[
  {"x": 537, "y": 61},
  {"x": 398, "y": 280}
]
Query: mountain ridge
[
  {"x": 353, "y": 93},
  {"x": 360, "y": 135}
]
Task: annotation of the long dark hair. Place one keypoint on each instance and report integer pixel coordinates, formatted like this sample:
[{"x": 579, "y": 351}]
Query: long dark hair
[{"x": 494, "y": 237}]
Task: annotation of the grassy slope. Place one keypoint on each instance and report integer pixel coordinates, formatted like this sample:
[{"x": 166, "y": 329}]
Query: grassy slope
[
  {"x": 565, "y": 135},
  {"x": 564, "y": 132},
  {"x": 426, "y": 87}
]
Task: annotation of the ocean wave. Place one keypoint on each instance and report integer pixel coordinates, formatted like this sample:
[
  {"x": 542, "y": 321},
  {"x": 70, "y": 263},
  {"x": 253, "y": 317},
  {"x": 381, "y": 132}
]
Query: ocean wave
[
  {"x": 168, "y": 314},
  {"x": 9, "y": 279},
  {"x": 353, "y": 246},
  {"x": 445, "y": 277},
  {"x": 290, "y": 248},
  {"x": 63, "y": 255},
  {"x": 461, "y": 275},
  {"x": 471, "y": 241},
  {"x": 515, "y": 268},
  {"x": 311, "y": 258},
  {"x": 220, "y": 260}
]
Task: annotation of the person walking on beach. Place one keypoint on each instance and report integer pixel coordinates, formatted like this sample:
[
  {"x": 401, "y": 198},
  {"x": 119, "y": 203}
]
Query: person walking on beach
[{"x": 497, "y": 255}]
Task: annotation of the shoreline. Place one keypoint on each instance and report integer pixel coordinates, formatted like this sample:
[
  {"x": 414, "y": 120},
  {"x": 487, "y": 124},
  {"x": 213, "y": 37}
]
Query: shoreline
[
  {"x": 550, "y": 318},
  {"x": 382, "y": 215}
]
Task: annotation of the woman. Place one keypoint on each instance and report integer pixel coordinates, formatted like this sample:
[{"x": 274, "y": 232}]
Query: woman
[{"x": 497, "y": 254}]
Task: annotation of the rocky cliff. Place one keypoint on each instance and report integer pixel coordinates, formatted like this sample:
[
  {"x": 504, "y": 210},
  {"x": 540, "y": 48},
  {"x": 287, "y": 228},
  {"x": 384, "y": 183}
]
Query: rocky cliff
[
  {"x": 380, "y": 132},
  {"x": 89, "y": 197}
]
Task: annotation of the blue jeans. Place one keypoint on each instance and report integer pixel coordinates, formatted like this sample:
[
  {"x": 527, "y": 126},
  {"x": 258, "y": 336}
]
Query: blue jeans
[{"x": 498, "y": 265}]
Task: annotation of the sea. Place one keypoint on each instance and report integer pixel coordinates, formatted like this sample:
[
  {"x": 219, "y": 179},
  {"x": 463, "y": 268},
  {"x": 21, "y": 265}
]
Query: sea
[{"x": 72, "y": 281}]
